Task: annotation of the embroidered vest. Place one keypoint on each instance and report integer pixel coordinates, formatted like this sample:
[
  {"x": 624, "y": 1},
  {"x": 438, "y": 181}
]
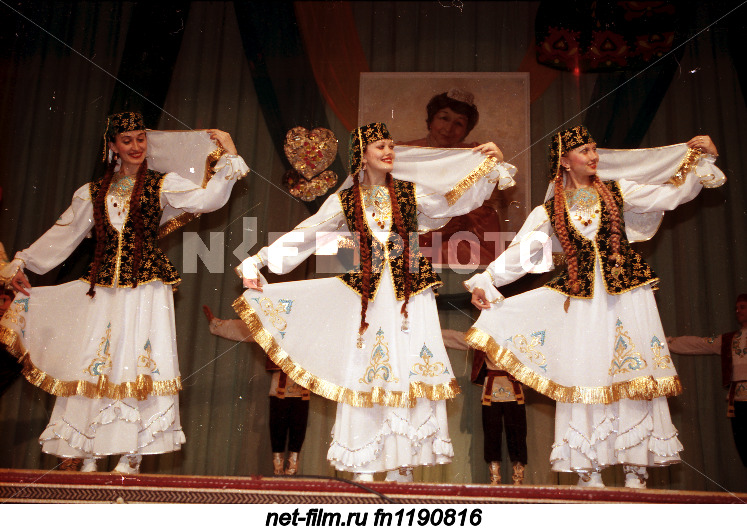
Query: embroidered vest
[
  {"x": 633, "y": 273},
  {"x": 726, "y": 358},
  {"x": 420, "y": 269},
  {"x": 115, "y": 268}
]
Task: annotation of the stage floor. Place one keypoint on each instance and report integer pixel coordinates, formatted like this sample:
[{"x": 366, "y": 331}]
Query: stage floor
[{"x": 26, "y": 486}]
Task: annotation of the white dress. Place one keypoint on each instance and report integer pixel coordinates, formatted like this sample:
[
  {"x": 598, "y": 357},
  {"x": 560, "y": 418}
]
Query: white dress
[
  {"x": 111, "y": 360},
  {"x": 392, "y": 392},
  {"x": 605, "y": 360}
]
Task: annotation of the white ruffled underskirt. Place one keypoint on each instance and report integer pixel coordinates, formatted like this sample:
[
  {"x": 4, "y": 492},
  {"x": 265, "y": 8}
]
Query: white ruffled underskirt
[
  {"x": 369, "y": 440},
  {"x": 85, "y": 427},
  {"x": 590, "y": 437}
]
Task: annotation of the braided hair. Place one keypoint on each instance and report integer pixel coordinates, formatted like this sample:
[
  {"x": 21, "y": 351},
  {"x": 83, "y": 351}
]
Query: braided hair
[
  {"x": 365, "y": 249},
  {"x": 562, "y": 233},
  {"x": 614, "y": 212},
  {"x": 404, "y": 235}
]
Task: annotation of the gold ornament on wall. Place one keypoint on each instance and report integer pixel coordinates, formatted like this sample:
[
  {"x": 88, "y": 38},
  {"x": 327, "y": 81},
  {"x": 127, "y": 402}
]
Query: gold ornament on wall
[{"x": 310, "y": 153}]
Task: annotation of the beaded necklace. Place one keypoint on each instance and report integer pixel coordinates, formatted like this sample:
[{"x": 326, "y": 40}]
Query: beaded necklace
[
  {"x": 120, "y": 191},
  {"x": 583, "y": 204}
]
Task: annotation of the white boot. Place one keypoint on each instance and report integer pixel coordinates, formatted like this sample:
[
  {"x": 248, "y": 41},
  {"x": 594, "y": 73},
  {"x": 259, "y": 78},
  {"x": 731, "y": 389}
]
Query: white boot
[
  {"x": 590, "y": 479},
  {"x": 89, "y": 465},
  {"x": 363, "y": 477},
  {"x": 635, "y": 476},
  {"x": 399, "y": 475},
  {"x": 129, "y": 464}
]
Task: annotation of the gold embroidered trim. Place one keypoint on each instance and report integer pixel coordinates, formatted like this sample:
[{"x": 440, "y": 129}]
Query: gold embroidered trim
[
  {"x": 472, "y": 178},
  {"x": 176, "y": 223},
  {"x": 331, "y": 391},
  {"x": 372, "y": 295},
  {"x": 345, "y": 242},
  {"x": 688, "y": 164},
  {"x": 652, "y": 282},
  {"x": 140, "y": 389},
  {"x": 642, "y": 388},
  {"x": 173, "y": 283}
]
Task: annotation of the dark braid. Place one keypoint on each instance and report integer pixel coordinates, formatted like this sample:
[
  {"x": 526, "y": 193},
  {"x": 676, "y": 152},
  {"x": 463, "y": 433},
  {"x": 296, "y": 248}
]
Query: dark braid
[
  {"x": 365, "y": 250},
  {"x": 614, "y": 212},
  {"x": 562, "y": 233},
  {"x": 137, "y": 219},
  {"x": 99, "y": 210},
  {"x": 404, "y": 236}
]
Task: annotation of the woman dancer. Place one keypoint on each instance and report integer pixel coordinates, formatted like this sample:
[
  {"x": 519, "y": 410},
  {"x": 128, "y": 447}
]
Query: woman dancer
[
  {"x": 591, "y": 338},
  {"x": 370, "y": 339},
  {"x": 105, "y": 345}
]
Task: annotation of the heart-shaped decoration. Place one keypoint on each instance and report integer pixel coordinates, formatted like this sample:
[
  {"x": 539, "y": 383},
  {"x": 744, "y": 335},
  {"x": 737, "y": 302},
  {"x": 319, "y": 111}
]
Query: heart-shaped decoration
[
  {"x": 307, "y": 190},
  {"x": 310, "y": 152}
]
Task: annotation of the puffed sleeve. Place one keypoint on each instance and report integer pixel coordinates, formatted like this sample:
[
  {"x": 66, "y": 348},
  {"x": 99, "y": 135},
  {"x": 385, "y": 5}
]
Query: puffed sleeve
[
  {"x": 54, "y": 246},
  {"x": 181, "y": 193},
  {"x": 529, "y": 252},
  {"x": 649, "y": 198},
  {"x": 288, "y": 251},
  {"x": 449, "y": 182}
]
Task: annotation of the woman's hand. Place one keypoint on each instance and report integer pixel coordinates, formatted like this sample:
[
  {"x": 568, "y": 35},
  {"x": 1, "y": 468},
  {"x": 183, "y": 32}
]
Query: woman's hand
[
  {"x": 479, "y": 299},
  {"x": 703, "y": 143},
  {"x": 490, "y": 149},
  {"x": 20, "y": 282},
  {"x": 252, "y": 284},
  {"x": 224, "y": 140}
]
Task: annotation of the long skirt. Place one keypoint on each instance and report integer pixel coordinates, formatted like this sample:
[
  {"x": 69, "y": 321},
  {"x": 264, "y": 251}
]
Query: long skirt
[
  {"x": 605, "y": 361},
  {"x": 391, "y": 390},
  {"x": 110, "y": 360}
]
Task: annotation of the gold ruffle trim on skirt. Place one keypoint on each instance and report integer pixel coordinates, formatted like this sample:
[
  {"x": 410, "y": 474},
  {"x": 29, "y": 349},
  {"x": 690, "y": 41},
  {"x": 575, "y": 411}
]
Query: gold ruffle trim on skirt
[
  {"x": 643, "y": 388},
  {"x": 329, "y": 390},
  {"x": 140, "y": 389},
  {"x": 473, "y": 177}
]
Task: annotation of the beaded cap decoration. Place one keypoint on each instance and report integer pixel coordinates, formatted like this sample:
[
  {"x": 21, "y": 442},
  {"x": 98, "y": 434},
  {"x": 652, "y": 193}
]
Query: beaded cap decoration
[
  {"x": 566, "y": 141},
  {"x": 360, "y": 138},
  {"x": 121, "y": 122}
]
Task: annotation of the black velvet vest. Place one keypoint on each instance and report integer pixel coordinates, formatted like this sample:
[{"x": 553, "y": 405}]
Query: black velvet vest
[
  {"x": 421, "y": 271},
  {"x": 633, "y": 273},
  {"x": 115, "y": 268}
]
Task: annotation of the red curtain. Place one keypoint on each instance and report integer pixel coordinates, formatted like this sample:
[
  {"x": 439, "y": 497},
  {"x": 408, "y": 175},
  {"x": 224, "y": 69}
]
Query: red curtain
[{"x": 335, "y": 53}]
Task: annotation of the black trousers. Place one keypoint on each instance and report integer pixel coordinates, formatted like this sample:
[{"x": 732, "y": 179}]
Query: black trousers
[
  {"x": 288, "y": 418},
  {"x": 10, "y": 369},
  {"x": 514, "y": 417},
  {"x": 739, "y": 429}
]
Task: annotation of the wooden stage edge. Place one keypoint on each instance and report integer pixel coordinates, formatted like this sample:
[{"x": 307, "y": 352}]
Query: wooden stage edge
[{"x": 35, "y": 486}]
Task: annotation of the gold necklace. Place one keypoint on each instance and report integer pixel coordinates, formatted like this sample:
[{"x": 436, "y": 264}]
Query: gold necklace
[
  {"x": 583, "y": 203},
  {"x": 377, "y": 198}
]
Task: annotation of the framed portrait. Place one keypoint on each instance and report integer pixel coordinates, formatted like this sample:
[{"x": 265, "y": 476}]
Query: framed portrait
[{"x": 476, "y": 108}]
